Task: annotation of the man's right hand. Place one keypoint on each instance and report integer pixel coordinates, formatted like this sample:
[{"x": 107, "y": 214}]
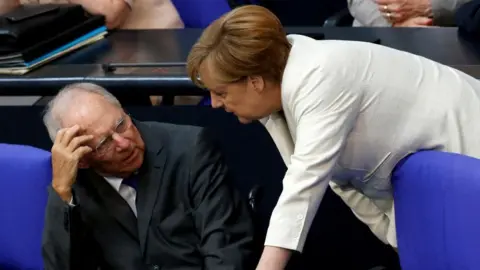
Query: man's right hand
[{"x": 67, "y": 151}]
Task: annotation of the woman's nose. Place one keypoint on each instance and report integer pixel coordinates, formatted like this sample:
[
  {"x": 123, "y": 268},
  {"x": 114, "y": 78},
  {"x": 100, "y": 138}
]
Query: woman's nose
[{"x": 216, "y": 103}]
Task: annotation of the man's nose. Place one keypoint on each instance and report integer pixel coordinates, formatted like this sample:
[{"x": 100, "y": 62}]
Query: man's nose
[
  {"x": 120, "y": 142},
  {"x": 216, "y": 103}
]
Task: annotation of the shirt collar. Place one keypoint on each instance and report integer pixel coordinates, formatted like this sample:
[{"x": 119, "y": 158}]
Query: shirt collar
[{"x": 115, "y": 182}]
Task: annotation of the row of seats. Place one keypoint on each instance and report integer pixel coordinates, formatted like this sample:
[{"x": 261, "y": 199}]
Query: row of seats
[
  {"x": 199, "y": 14},
  {"x": 436, "y": 198}
]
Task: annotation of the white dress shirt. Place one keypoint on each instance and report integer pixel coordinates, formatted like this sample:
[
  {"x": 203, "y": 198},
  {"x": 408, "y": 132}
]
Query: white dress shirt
[{"x": 352, "y": 111}]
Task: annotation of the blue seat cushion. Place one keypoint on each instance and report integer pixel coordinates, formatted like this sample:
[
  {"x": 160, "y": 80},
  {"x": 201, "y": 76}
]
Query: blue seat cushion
[
  {"x": 437, "y": 202},
  {"x": 25, "y": 175}
]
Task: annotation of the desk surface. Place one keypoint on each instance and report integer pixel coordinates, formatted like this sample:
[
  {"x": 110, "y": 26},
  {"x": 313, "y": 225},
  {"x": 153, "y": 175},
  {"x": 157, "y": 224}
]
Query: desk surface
[{"x": 440, "y": 44}]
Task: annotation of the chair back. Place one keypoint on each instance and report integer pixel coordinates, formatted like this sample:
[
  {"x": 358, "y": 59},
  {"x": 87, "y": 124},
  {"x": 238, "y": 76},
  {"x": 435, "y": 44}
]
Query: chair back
[
  {"x": 25, "y": 176},
  {"x": 199, "y": 14},
  {"x": 437, "y": 197}
]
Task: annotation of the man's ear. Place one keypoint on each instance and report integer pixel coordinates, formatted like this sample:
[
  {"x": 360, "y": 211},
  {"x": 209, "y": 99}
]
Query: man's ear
[
  {"x": 83, "y": 164},
  {"x": 257, "y": 82}
]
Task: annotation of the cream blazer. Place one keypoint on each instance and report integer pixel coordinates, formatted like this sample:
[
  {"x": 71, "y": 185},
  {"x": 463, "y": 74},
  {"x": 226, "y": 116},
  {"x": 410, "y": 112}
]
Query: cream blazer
[{"x": 351, "y": 112}]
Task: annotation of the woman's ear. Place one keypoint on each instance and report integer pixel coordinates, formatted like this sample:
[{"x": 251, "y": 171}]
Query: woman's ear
[{"x": 257, "y": 82}]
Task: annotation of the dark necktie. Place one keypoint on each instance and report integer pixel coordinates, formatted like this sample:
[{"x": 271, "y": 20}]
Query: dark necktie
[{"x": 131, "y": 181}]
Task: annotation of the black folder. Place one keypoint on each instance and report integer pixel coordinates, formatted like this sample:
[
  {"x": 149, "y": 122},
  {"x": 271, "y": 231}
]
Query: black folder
[
  {"x": 49, "y": 44},
  {"x": 33, "y": 35},
  {"x": 29, "y": 24}
]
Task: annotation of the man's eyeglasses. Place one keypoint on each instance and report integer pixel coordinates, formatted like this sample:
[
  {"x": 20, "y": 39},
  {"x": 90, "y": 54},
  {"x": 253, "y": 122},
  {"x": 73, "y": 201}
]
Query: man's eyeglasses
[{"x": 106, "y": 143}]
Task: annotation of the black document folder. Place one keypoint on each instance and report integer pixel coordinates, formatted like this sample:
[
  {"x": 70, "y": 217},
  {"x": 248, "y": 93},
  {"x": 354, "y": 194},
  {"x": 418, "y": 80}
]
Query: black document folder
[
  {"x": 30, "y": 24},
  {"x": 36, "y": 34},
  {"x": 47, "y": 45}
]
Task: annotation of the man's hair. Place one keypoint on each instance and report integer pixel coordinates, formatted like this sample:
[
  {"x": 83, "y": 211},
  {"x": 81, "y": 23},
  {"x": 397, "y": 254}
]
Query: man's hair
[
  {"x": 247, "y": 41},
  {"x": 63, "y": 100}
]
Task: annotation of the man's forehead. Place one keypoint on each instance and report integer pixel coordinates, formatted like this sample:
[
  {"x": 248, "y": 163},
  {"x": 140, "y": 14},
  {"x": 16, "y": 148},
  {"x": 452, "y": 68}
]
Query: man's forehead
[{"x": 91, "y": 117}]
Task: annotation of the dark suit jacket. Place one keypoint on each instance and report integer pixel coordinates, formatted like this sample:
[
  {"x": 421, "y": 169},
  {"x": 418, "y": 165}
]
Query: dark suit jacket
[{"x": 189, "y": 217}]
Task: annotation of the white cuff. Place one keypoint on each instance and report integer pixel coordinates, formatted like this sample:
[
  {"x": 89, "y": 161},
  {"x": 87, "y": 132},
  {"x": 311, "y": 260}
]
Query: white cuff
[{"x": 70, "y": 203}]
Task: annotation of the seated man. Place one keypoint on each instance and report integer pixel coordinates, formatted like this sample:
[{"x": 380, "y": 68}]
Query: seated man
[{"x": 137, "y": 195}]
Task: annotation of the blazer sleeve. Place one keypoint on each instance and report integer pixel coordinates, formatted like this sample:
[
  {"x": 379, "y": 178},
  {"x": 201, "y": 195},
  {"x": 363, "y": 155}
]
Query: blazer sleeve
[
  {"x": 380, "y": 221},
  {"x": 324, "y": 109},
  {"x": 66, "y": 244},
  {"x": 221, "y": 216},
  {"x": 444, "y": 11},
  {"x": 366, "y": 13}
]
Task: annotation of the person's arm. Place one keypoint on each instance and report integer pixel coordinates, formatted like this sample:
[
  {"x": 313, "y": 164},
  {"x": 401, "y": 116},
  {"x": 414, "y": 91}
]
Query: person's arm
[
  {"x": 66, "y": 243},
  {"x": 115, "y": 11},
  {"x": 325, "y": 110},
  {"x": 444, "y": 11},
  {"x": 221, "y": 216},
  {"x": 366, "y": 13},
  {"x": 7, "y": 5},
  {"x": 378, "y": 220}
]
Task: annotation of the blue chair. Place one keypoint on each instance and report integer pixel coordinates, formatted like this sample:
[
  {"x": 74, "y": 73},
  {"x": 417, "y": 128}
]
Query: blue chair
[
  {"x": 25, "y": 176},
  {"x": 437, "y": 202},
  {"x": 199, "y": 14}
]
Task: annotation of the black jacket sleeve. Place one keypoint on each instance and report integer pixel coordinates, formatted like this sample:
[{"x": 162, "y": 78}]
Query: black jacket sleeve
[
  {"x": 221, "y": 216},
  {"x": 66, "y": 243}
]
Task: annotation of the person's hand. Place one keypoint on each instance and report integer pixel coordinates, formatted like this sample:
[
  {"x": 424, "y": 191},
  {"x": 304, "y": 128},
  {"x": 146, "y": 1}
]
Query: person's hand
[
  {"x": 415, "y": 22},
  {"x": 274, "y": 258},
  {"x": 67, "y": 151},
  {"x": 8, "y": 5},
  {"x": 401, "y": 10}
]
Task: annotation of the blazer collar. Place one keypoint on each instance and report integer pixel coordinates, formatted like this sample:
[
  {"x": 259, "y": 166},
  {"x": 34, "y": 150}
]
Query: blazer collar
[
  {"x": 151, "y": 175},
  {"x": 114, "y": 204},
  {"x": 277, "y": 127}
]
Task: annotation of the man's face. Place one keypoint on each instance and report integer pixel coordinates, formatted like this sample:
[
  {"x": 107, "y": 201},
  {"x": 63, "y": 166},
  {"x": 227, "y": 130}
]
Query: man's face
[{"x": 118, "y": 148}]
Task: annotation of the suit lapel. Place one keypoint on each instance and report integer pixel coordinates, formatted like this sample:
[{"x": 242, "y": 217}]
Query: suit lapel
[
  {"x": 114, "y": 204},
  {"x": 151, "y": 176},
  {"x": 277, "y": 127}
]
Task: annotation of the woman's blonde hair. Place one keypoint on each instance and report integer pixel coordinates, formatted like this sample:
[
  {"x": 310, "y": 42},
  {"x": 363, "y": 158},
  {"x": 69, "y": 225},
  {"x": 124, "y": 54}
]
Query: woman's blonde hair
[{"x": 247, "y": 41}]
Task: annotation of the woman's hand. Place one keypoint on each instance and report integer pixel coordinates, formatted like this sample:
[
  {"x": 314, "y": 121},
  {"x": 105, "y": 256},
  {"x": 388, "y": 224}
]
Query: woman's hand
[
  {"x": 274, "y": 258},
  {"x": 415, "y": 22},
  {"x": 401, "y": 10}
]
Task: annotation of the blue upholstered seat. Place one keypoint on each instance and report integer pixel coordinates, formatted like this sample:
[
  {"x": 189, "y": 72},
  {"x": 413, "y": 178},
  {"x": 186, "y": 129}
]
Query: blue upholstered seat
[
  {"x": 437, "y": 204},
  {"x": 25, "y": 173},
  {"x": 199, "y": 14}
]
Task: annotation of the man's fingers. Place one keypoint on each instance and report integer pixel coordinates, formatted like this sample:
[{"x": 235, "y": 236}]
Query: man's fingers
[
  {"x": 69, "y": 134},
  {"x": 81, "y": 151},
  {"x": 59, "y": 136},
  {"x": 78, "y": 141}
]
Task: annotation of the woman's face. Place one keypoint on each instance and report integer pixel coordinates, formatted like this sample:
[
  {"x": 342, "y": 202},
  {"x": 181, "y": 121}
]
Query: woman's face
[{"x": 249, "y": 99}]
